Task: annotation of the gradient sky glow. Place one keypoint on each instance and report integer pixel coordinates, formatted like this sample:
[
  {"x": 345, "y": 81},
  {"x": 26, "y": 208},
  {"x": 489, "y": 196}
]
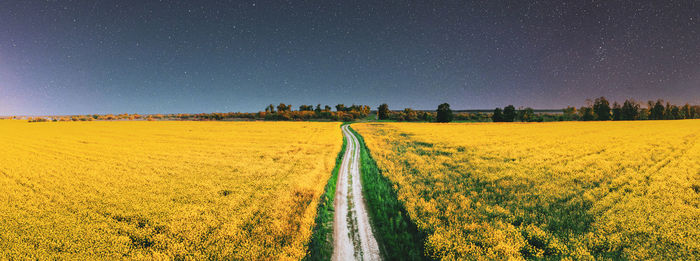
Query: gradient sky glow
[{"x": 80, "y": 57}]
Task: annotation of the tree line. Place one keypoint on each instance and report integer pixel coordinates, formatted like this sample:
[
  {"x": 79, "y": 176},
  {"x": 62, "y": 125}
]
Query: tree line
[
  {"x": 601, "y": 110},
  {"x": 309, "y": 112},
  {"x": 598, "y": 109},
  {"x": 443, "y": 114},
  {"x": 280, "y": 112}
]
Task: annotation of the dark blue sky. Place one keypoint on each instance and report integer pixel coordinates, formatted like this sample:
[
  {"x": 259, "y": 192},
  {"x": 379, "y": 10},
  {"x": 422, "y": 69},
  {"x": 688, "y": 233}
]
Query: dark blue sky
[{"x": 76, "y": 57}]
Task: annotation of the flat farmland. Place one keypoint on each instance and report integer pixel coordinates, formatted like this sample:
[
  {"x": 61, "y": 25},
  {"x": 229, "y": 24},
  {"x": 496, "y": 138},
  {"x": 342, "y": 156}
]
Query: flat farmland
[
  {"x": 581, "y": 190},
  {"x": 163, "y": 189}
]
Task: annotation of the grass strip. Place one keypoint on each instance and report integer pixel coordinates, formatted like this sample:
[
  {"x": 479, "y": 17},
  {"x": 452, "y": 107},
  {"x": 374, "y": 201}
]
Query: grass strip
[{"x": 397, "y": 236}]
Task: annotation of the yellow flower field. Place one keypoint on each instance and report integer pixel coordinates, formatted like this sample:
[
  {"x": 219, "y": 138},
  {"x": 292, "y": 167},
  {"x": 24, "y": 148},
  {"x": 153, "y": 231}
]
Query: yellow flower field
[
  {"x": 605, "y": 190},
  {"x": 144, "y": 190}
]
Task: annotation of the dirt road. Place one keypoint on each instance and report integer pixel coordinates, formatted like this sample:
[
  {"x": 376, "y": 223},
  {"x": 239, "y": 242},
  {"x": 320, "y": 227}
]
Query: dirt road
[{"x": 352, "y": 232}]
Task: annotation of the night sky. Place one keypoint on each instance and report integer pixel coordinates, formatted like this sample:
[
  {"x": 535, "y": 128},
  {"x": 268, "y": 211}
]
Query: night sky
[{"x": 78, "y": 57}]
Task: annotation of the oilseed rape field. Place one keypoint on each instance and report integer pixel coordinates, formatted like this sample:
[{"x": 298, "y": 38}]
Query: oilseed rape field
[
  {"x": 162, "y": 189},
  {"x": 565, "y": 190}
]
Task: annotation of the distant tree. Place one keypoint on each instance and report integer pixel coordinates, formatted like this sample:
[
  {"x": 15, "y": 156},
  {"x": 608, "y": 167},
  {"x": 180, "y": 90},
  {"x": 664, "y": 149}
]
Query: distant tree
[
  {"x": 410, "y": 115},
  {"x": 340, "y": 107},
  {"x": 586, "y": 113},
  {"x": 327, "y": 108},
  {"x": 685, "y": 111},
  {"x": 616, "y": 112},
  {"x": 601, "y": 108},
  {"x": 690, "y": 111},
  {"x": 444, "y": 113},
  {"x": 383, "y": 112},
  {"x": 657, "y": 111},
  {"x": 509, "y": 113},
  {"x": 630, "y": 110},
  {"x": 667, "y": 112},
  {"x": 526, "y": 115},
  {"x": 497, "y": 115},
  {"x": 318, "y": 109},
  {"x": 650, "y": 107},
  {"x": 643, "y": 114},
  {"x": 283, "y": 107},
  {"x": 366, "y": 110},
  {"x": 569, "y": 113},
  {"x": 426, "y": 116},
  {"x": 676, "y": 113}
]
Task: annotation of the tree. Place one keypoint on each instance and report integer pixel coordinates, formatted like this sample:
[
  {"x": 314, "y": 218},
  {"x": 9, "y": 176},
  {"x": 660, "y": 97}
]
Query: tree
[
  {"x": 365, "y": 109},
  {"x": 383, "y": 112},
  {"x": 630, "y": 110},
  {"x": 657, "y": 111},
  {"x": 586, "y": 113},
  {"x": 340, "y": 107},
  {"x": 426, "y": 116},
  {"x": 327, "y": 108},
  {"x": 444, "y": 113},
  {"x": 676, "y": 113},
  {"x": 318, "y": 109},
  {"x": 685, "y": 111},
  {"x": 601, "y": 108},
  {"x": 667, "y": 112},
  {"x": 497, "y": 115},
  {"x": 616, "y": 112},
  {"x": 270, "y": 108},
  {"x": 526, "y": 115},
  {"x": 570, "y": 113},
  {"x": 410, "y": 115},
  {"x": 643, "y": 114},
  {"x": 306, "y": 107},
  {"x": 509, "y": 113},
  {"x": 283, "y": 107}
]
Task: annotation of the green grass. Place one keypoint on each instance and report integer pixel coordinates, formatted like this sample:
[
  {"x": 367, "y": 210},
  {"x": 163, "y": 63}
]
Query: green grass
[
  {"x": 397, "y": 236},
  {"x": 321, "y": 245}
]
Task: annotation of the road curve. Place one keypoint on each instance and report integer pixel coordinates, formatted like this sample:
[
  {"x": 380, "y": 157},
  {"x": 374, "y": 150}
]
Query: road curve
[{"x": 352, "y": 233}]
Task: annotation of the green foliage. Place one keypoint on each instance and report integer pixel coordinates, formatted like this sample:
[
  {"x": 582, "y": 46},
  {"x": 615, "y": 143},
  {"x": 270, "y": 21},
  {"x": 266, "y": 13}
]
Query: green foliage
[
  {"x": 283, "y": 107},
  {"x": 569, "y": 114},
  {"x": 497, "y": 115},
  {"x": 509, "y": 113},
  {"x": 306, "y": 107},
  {"x": 396, "y": 234},
  {"x": 383, "y": 112},
  {"x": 601, "y": 108},
  {"x": 586, "y": 114},
  {"x": 630, "y": 110},
  {"x": 657, "y": 111},
  {"x": 425, "y": 116},
  {"x": 527, "y": 115},
  {"x": 444, "y": 113}
]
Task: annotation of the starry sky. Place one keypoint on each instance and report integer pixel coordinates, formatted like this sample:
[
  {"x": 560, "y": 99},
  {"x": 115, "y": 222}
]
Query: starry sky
[{"x": 140, "y": 56}]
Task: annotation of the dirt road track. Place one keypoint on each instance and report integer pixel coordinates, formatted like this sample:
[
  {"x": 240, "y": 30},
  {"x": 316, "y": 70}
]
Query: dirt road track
[{"x": 352, "y": 232}]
